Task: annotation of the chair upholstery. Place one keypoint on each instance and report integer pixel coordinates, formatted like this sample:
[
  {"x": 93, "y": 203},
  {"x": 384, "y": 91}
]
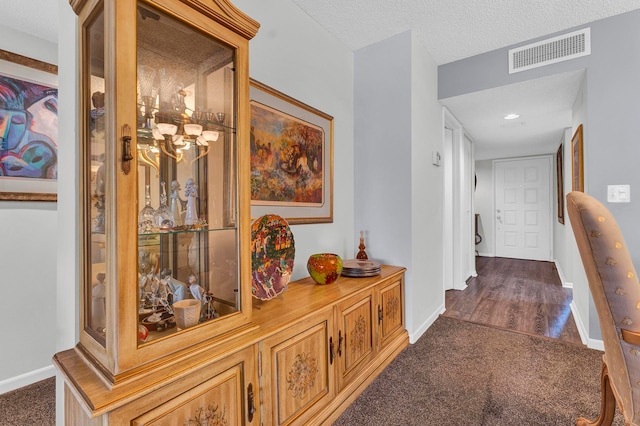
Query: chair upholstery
[{"x": 615, "y": 290}]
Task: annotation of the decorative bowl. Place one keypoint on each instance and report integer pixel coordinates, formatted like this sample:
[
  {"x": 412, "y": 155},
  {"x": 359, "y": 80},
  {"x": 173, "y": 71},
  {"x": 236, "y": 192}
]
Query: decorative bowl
[{"x": 324, "y": 268}]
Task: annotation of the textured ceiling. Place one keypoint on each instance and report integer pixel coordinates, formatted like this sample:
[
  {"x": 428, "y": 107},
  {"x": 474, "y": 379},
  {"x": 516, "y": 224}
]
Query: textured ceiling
[
  {"x": 456, "y": 29},
  {"x": 544, "y": 106},
  {"x": 38, "y": 18},
  {"x": 449, "y": 30}
]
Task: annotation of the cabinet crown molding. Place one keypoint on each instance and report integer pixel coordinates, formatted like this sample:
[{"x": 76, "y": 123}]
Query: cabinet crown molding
[
  {"x": 227, "y": 14},
  {"x": 222, "y": 11}
]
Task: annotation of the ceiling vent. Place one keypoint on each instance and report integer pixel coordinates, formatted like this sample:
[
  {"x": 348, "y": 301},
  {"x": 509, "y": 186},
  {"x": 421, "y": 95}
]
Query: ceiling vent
[{"x": 550, "y": 51}]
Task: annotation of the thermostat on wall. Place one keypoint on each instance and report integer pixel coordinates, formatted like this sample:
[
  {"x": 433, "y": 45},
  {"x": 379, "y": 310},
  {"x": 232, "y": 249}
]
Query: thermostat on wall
[{"x": 435, "y": 158}]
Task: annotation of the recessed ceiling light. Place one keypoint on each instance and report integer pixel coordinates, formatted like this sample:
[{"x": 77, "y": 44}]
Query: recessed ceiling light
[{"x": 511, "y": 116}]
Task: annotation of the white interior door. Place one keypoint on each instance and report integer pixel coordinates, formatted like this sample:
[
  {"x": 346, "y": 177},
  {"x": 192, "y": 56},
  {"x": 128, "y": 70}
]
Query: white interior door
[{"x": 523, "y": 208}]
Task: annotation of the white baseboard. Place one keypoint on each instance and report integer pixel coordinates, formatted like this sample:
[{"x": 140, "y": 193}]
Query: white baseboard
[
  {"x": 486, "y": 254},
  {"x": 413, "y": 337},
  {"x": 582, "y": 330},
  {"x": 565, "y": 283},
  {"x": 26, "y": 379},
  {"x": 595, "y": 344},
  {"x": 459, "y": 286}
]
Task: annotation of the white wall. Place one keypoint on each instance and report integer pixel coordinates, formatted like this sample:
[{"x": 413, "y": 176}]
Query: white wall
[
  {"x": 425, "y": 289},
  {"x": 294, "y": 55},
  {"x": 398, "y": 191},
  {"x": 28, "y": 264},
  {"x": 582, "y": 306}
]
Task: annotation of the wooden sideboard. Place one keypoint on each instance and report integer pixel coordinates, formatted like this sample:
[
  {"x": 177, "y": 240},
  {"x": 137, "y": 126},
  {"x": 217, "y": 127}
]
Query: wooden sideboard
[{"x": 305, "y": 357}]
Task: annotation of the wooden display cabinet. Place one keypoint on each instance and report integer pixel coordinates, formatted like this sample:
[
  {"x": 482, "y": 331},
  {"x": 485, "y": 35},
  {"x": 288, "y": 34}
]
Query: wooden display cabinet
[
  {"x": 164, "y": 176},
  {"x": 168, "y": 333},
  {"x": 164, "y": 235}
]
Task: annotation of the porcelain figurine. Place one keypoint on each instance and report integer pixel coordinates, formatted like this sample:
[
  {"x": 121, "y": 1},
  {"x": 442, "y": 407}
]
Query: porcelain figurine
[
  {"x": 191, "y": 192},
  {"x": 176, "y": 202},
  {"x": 98, "y": 306},
  {"x": 176, "y": 288}
]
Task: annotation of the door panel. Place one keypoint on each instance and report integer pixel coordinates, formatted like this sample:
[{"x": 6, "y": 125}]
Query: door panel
[
  {"x": 390, "y": 312},
  {"x": 298, "y": 379},
  {"x": 523, "y": 208},
  {"x": 356, "y": 326}
]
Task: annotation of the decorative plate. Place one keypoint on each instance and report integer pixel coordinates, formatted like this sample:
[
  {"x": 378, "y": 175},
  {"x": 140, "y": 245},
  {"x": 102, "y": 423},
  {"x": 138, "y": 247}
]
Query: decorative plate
[{"x": 272, "y": 254}]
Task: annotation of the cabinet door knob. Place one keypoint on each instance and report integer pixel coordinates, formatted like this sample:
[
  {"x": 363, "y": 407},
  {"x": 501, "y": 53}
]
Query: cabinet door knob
[
  {"x": 340, "y": 339},
  {"x": 380, "y": 314}
]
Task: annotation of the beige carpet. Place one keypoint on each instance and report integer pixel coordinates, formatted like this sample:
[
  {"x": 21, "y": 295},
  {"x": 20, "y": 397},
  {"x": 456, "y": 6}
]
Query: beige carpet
[
  {"x": 30, "y": 406},
  {"x": 459, "y": 373}
]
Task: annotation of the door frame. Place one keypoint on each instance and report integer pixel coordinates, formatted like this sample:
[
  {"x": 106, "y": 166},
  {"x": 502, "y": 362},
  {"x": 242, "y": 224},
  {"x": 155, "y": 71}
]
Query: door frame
[
  {"x": 458, "y": 249},
  {"x": 548, "y": 157}
]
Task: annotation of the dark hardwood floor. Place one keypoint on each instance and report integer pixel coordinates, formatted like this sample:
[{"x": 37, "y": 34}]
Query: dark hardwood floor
[{"x": 520, "y": 295}]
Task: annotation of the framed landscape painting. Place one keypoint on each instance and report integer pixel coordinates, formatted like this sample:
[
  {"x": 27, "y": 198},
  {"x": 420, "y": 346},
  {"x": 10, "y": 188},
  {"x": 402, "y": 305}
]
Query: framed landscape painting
[
  {"x": 291, "y": 148},
  {"x": 28, "y": 129}
]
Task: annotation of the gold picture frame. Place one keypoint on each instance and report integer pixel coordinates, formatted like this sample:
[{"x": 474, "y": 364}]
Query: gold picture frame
[
  {"x": 291, "y": 158},
  {"x": 577, "y": 161},
  {"x": 560, "y": 182},
  {"x": 30, "y": 73}
]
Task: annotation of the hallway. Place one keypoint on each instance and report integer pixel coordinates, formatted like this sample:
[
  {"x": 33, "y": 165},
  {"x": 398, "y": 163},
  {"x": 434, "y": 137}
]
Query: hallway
[{"x": 520, "y": 295}]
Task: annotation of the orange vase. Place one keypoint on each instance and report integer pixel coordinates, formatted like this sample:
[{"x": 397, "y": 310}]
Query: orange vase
[{"x": 324, "y": 268}]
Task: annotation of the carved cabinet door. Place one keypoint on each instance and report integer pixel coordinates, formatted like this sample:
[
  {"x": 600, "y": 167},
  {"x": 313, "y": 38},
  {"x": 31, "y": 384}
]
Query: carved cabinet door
[
  {"x": 356, "y": 334},
  {"x": 296, "y": 371},
  {"x": 390, "y": 311},
  {"x": 222, "y": 393}
]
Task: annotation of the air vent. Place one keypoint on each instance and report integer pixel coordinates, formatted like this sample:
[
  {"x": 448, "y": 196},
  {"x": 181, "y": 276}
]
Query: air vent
[{"x": 550, "y": 51}]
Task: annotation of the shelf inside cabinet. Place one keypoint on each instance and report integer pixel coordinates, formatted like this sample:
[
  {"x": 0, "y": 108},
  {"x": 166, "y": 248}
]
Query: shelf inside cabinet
[{"x": 148, "y": 236}]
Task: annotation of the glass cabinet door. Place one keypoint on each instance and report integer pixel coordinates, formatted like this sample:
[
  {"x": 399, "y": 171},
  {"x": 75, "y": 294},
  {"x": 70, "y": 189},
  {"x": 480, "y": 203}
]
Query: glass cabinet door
[
  {"x": 163, "y": 181},
  {"x": 186, "y": 173},
  {"x": 95, "y": 188}
]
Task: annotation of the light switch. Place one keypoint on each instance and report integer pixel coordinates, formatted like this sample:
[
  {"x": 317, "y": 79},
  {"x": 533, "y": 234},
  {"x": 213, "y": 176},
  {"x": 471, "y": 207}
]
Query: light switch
[{"x": 619, "y": 193}]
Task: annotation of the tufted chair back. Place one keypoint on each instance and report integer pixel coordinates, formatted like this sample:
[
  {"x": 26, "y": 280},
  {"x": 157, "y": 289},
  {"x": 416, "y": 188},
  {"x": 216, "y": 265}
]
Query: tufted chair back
[{"x": 616, "y": 293}]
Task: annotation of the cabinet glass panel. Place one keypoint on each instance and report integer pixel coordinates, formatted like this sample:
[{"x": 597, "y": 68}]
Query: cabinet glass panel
[
  {"x": 95, "y": 188},
  {"x": 186, "y": 148}
]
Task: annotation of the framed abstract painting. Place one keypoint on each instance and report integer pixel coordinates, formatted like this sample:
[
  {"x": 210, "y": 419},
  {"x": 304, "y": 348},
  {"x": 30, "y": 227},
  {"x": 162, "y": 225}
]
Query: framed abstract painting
[
  {"x": 291, "y": 148},
  {"x": 28, "y": 129}
]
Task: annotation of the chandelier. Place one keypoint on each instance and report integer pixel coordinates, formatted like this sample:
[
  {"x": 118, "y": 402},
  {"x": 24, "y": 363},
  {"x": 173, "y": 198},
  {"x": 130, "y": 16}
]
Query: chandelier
[{"x": 166, "y": 124}]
